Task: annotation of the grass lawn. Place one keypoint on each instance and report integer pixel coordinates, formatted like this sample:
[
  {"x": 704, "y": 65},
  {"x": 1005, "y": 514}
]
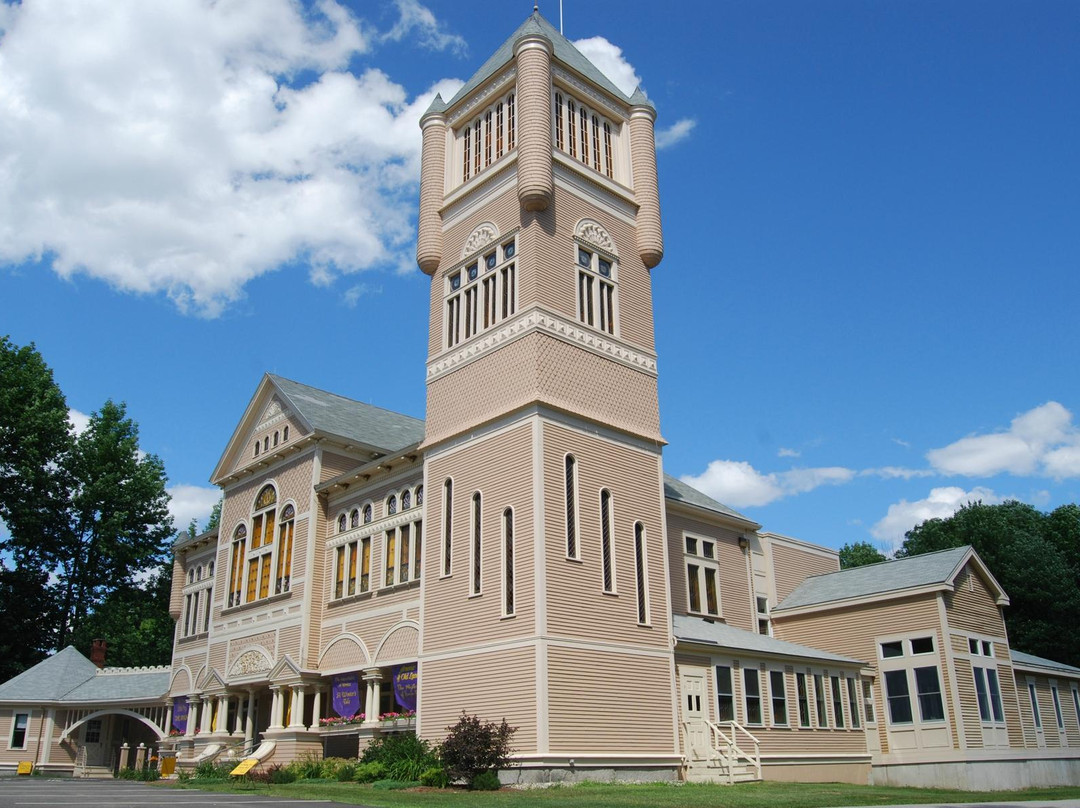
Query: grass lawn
[{"x": 609, "y": 795}]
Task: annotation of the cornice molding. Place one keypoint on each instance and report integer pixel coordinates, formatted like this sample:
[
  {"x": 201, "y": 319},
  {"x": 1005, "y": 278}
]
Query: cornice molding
[
  {"x": 494, "y": 87},
  {"x": 543, "y": 322},
  {"x": 374, "y": 528}
]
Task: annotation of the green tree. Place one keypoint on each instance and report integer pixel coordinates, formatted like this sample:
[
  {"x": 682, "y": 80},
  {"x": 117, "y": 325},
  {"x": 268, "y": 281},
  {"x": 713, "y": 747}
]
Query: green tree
[
  {"x": 859, "y": 554},
  {"x": 1033, "y": 555},
  {"x": 118, "y": 522},
  {"x": 215, "y": 517}
]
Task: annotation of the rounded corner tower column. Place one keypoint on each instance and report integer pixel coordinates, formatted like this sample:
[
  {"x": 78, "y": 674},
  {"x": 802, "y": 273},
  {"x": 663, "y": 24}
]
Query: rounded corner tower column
[
  {"x": 536, "y": 184},
  {"x": 429, "y": 242},
  {"x": 650, "y": 236}
]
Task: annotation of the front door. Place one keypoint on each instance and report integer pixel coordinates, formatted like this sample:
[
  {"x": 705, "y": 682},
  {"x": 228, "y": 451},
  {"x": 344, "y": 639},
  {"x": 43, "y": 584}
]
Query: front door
[
  {"x": 94, "y": 741},
  {"x": 694, "y": 697}
]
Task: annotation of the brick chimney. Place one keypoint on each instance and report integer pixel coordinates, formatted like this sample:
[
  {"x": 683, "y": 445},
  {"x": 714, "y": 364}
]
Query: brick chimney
[{"x": 97, "y": 652}]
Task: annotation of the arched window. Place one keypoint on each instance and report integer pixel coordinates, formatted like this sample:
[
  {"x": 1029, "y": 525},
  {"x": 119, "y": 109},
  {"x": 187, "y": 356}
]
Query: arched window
[
  {"x": 285, "y": 434},
  {"x": 275, "y": 437},
  {"x": 508, "y": 562},
  {"x": 257, "y": 447},
  {"x": 354, "y": 518},
  {"x": 477, "y": 543},
  {"x": 342, "y": 523},
  {"x": 391, "y": 504},
  {"x": 260, "y": 551},
  {"x": 367, "y": 513},
  {"x": 406, "y": 499},
  {"x": 606, "y": 556},
  {"x": 284, "y": 550},
  {"x": 266, "y": 443},
  {"x": 448, "y": 524},
  {"x": 236, "y": 564},
  {"x": 419, "y": 495},
  {"x": 570, "y": 484},
  {"x": 640, "y": 573}
]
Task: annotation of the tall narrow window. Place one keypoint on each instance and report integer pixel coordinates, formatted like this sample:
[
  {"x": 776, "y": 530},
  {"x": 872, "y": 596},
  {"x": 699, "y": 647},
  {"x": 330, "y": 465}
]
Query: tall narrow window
[
  {"x": 702, "y": 572},
  {"x": 448, "y": 527},
  {"x": 236, "y": 566},
  {"x": 725, "y": 695},
  {"x": 606, "y": 558},
  {"x": 640, "y": 573},
  {"x": 778, "y": 697},
  {"x": 571, "y": 507},
  {"x": 390, "y": 557},
  {"x": 498, "y": 130},
  {"x": 350, "y": 588},
  {"x": 1034, "y": 704},
  {"x": 365, "y": 564},
  {"x": 340, "y": 561},
  {"x": 404, "y": 536},
  {"x": 18, "y": 731},
  {"x": 1057, "y": 706},
  {"x": 595, "y": 143},
  {"x": 853, "y": 703},
  {"x": 467, "y": 151},
  {"x": 981, "y": 694},
  {"x": 819, "y": 701},
  {"x": 609, "y": 164},
  {"x": 596, "y": 290},
  {"x": 477, "y": 543},
  {"x": 476, "y": 147},
  {"x": 837, "y": 703},
  {"x": 928, "y": 686},
  {"x": 804, "y": 699},
  {"x": 508, "y": 562},
  {"x": 868, "y": 701},
  {"x": 752, "y": 695},
  {"x": 571, "y": 109},
  {"x": 418, "y": 542},
  {"x": 487, "y": 138},
  {"x": 285, "y": 543},
  {"x": 261, "y": 548},
  {"x": 584, "y": 117},
  {"x": 511, "y": 123},
  {"x": 560, "y": 141}
]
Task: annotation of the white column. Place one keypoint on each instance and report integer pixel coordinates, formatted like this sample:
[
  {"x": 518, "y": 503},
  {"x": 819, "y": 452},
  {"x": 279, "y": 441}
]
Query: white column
[
  {"x": 296, "y": 709},
  {"x": 192, "y": 716},
  {"x": 168, "y": 716},
  {"x": 238, "y": 717},
  {"x": 276, "y": 708},
  {"x": 249, "y": 724},
  {"x": 47, "y": 731},
  {"x": 206, "y": 714},
  {"x": 373, "y": 678},
  {"x": 222, "y": 724},
  {"x": 316, "y": 708}
]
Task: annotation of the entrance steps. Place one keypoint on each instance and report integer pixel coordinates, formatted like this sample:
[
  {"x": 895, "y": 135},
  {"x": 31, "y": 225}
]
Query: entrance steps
[
  {"x": 712, "y": 772},
  {"x": 96, "y": 773}
]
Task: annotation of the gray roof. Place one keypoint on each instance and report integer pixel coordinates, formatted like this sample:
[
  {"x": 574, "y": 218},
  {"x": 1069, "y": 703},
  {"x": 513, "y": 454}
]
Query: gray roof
[
  {"x": 1020, "y": 658},
  {"x": 69, "y": 676},
  {"x": 678, "y": 491},
  {"x": 343, "y": 417},
  {"x": 875, "y": 579},
  {"x": 698, "y": 630},
  {"x": 565, "y": 52}
]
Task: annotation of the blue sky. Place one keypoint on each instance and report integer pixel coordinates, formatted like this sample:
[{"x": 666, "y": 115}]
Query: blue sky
[{"x": 865, "y": 315}]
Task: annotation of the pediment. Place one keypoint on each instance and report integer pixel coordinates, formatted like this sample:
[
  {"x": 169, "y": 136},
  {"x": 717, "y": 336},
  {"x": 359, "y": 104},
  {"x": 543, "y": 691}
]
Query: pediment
[
  {"x": 252, "y": 662},
  {"x": 212, "y": 681},
  {"x": 285, "y": 669}
]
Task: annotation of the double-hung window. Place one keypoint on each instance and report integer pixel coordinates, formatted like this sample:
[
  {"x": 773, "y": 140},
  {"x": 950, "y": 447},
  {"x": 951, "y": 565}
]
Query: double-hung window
[
  {"x": 596, "y": 289},
  {"x": 778, "y": 698},
  {"x": 702, "y": 576},
  {"x": 752, "y": 695},
  {"x": 18, "y": 731},
  {"x": 906, "y": 671}
]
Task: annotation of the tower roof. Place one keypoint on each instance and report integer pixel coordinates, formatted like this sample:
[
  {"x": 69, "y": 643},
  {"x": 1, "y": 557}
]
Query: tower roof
[{"x": 565, "y": 52}]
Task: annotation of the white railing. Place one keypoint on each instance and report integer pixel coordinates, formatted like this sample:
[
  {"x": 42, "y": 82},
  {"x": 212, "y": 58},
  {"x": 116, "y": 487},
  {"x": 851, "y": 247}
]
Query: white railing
[
  {"x": 723, "y": 748},
  {"x": 80, "y": 762}
]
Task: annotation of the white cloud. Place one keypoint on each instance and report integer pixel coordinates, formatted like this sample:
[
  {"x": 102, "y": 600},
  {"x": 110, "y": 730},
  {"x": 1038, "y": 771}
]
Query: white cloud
[
  {"x": 740, "y": 485},
  {"x": 354, "y": 293},
  {"x": 1041, "y": 441},
  {"x": 610, "y": 61},
  {"x": 419, "y": 24},
  {"x": 785, "y": 452},
  {"x": 897, "y": 473},
  {"x": 676, "y": 133},
  {"x": 78, "y": 420},
  {"x": 191, "y": 502},
  {"x": 939, "y": 504},
  {"x": 169, "y": 148}
]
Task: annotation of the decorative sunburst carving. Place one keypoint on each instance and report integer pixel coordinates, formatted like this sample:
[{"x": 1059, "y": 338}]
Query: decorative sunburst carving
[
  {"x": 482, "y": 236},
  {"x": 250, "y": 662},
  {"x": 592, "y": 232}
]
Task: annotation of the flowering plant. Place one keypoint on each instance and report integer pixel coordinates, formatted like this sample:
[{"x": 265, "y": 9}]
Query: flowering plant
[
  {"x": 392, "y": 716},
  {"x": 173, "y": 733},
  {"x": 337, "y": 721}
]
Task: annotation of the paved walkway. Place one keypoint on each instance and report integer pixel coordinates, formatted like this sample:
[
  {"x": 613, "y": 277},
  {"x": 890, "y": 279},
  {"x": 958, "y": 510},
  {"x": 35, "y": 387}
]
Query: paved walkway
[{"x": 46, "y": 791}]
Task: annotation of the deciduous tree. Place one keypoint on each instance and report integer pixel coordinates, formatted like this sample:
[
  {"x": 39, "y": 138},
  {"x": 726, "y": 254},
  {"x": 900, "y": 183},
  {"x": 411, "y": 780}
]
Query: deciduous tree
[{"x": 859, "y": 554}]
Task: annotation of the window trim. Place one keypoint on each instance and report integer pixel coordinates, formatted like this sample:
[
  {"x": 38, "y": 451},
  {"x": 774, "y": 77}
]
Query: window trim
[
  {"x": 509, "y": 559},
  {"x": 599, "y": 310},
  {"x": 476, "y": 545},
  {"x": 702, "y": 562},
  {"x": 447, "y": 543},
  {"x": 25, "y": 729},
  {"x": 773, "y": 699},
  {"x": 608, "y": 581},
  {"x": 747, "y": 696},
  {"x": 572, "y": 501},
  {"x": 641, "y": 573}
]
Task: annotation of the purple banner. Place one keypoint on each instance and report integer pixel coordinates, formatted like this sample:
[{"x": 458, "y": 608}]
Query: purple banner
[
  {"x": 346, "y": 693},
  {"x": 405, "y": 682},
  {"x": 180, "y": 713}
]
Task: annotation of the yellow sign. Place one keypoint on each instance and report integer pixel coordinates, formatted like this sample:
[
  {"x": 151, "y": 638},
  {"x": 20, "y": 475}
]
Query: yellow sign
[
  {"x": 244, "y": 767},
  {"x": 168, "y": 766},
  {"x": 25, "y": 767}
]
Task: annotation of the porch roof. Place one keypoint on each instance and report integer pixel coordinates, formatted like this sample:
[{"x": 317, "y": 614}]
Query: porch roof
[
  {"x": 698, "y": 631},
  {"x": 68, "y": 676}
]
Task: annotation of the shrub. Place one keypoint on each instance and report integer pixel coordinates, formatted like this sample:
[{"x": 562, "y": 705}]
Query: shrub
[
  {"x": 331, "y": 766},
  {"x": 473, "y": 747},
  {"x": 394, "y": 785},
  {"x": 307, "y": 767},
  {"x": 347, "y": 772},
  {"x": 370, "y": 772},
  {"x": 406, "y": 769},
  {"x": 486, "y": 781},
  {"x": 279, "y": 775},
  {"x": 435, "y": 777},
  {"x": 389, "y": 749}
]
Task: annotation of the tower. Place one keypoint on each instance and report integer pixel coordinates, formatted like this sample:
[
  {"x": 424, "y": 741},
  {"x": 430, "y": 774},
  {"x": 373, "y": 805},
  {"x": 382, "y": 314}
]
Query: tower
[{"x": 545, "y": 592}]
